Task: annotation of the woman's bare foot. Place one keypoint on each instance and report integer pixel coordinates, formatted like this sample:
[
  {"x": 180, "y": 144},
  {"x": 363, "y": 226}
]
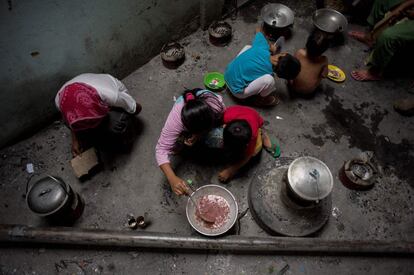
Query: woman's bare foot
[
  {"x": 363, "y": 37},
  {"x": 365, "y": 75}
]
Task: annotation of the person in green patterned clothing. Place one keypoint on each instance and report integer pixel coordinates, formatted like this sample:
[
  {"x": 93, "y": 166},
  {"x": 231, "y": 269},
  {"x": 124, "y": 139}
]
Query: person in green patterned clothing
[{"x": 393, "y": 29}]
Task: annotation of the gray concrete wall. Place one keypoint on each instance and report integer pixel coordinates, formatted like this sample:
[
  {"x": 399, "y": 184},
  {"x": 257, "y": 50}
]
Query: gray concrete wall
[{"x": 44, "y": 43}]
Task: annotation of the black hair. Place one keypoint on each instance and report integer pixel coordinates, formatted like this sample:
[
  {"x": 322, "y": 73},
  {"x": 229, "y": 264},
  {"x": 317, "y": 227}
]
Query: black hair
[
  {"x": 288, "y": 67},
  {"x": 236, "y": 136},
  {"x": 198, "y": 116},
  {"x": 316, "y": 44}
]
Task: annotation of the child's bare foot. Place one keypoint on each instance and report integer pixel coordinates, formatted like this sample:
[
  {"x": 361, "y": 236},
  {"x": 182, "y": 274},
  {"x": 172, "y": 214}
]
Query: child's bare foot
[
  {"x": 365, "y": 75},
  {"x": 226, "y": 174},
  {"x": 364, "y": 37},
  {"x": 267, "y": 143}
]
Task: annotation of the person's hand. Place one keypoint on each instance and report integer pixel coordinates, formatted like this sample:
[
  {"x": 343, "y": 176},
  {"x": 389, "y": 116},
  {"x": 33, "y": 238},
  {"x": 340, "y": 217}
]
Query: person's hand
[
  {"x": 138, "y": 108},
  {"x": 409, "y": 13},
  {"x": 395, "y": 15},
  {"x": 178, "y": 186},
  {"x": 274, "y": 59},
  {"x": 190, "y": 141},
  {"x": 226, "y": 175},
  {"x": 273, "y": 48},
  {"x": 259, "y": 29}
]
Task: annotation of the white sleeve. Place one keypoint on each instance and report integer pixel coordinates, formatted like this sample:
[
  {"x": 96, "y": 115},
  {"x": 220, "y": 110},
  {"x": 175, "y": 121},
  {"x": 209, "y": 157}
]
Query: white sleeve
[{"x": 123, "y": 99}]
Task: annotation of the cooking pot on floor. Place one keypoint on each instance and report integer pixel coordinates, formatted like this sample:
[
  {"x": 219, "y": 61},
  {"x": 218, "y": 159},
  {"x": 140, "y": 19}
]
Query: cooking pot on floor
[{"x": 50, "y": 197}]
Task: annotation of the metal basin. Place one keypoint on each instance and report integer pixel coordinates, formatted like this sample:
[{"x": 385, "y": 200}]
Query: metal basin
[
  {"x": 198, "y": 224},
  {"x": 277, "y": 15},
  {"x": 310, "y": 179},
  {"x": 329, "y": 20}
]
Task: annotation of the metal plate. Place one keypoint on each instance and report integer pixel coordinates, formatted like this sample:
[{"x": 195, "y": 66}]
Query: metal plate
[
  {"x": 197, "y": 224},
  {"x": 276, "y": 213}
]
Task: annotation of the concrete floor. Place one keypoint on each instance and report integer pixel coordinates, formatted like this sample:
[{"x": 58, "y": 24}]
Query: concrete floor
[{"x": 340, "y": 122}]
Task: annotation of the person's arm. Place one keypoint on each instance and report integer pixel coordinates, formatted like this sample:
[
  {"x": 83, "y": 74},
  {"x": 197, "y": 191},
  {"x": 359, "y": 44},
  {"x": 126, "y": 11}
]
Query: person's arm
[
  {"x": 169, "y": 134},
  {"x": 397, "y": 12},
  {"x": 117, "y": 96},
  {"x": 230, "y": 171},
  {"x": 178, "y": 185},
  {"x": 260, "y": 41},
  {"x": 325, "y": 71},
  {"x": 76, "y": 147}
]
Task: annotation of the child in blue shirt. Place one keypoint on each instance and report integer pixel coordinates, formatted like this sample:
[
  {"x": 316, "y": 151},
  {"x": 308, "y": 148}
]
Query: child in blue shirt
[{"x": 251, "y": 72}]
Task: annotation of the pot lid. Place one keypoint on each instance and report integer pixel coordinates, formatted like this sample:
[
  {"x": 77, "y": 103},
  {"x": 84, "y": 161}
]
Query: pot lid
[
  {"x": 47, "y": 195},
  {"x": 310, "y": 178},
  {"x": 277, "y": 15}
]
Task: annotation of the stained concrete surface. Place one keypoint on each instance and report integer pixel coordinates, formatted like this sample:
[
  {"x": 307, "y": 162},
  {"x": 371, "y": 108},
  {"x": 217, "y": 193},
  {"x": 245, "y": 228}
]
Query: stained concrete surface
[
  {"x": 339, "y": 123},
  {"x": 45, "y": 43}
]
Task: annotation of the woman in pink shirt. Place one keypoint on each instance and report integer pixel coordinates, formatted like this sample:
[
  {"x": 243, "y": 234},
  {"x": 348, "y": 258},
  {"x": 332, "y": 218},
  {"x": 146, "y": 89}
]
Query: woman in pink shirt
[{"x": 193, "y": 115}]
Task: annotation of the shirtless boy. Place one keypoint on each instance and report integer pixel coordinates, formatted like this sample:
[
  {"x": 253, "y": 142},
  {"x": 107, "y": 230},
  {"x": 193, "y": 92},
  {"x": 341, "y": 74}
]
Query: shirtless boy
[{"x": 314, "y": 65}]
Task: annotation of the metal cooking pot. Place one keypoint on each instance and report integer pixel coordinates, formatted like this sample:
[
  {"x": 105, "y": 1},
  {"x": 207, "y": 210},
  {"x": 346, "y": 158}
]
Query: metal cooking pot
[
  {"x": 309, "y": 179},
  {"x": 277, "y": 15},
  {"x": 220, "y": 33},
  {"x": 52, "y": 198},
  {"x": 330, "y": 21},
  {"x": 172, "y": 55},
  {"x": 198, "y": 224}
]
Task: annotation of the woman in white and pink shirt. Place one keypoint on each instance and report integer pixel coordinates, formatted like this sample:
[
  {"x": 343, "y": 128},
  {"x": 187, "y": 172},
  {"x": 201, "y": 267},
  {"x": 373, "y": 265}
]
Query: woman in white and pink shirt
[{"x": 194, "y": 114}]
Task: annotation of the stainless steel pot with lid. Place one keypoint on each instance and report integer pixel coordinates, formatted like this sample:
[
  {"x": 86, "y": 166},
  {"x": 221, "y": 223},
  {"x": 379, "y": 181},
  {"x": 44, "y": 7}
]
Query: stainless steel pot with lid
[
  {"x": 309, "y": 179},
  {"x": 47, "y": 195},
  {"x": 277, "y": 15},
  {"x": 52, "y": 198}
]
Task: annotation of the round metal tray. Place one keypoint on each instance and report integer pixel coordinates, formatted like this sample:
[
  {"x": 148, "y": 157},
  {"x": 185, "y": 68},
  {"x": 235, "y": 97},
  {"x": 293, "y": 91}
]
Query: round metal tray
[{"x": 278, "y": 214}]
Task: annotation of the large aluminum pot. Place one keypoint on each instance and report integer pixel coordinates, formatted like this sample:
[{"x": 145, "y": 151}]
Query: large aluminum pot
[
  {"x": 330, "y": 21},
  {"x": 309, "y": 179},
  {"x": 277, "y": 15}
]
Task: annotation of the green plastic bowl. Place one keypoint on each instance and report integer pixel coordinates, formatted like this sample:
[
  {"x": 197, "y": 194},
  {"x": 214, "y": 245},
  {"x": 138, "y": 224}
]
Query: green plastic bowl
[{"x": 214, "y": 81}]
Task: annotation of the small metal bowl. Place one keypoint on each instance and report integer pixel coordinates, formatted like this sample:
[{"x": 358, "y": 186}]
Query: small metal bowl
[
  {"x": 330, "y": 21},
  {"x": 211, "y": 189},
  {"x": 277, "y": 15},
  {"x": 220, "y": 33},
  {"x": 172, "y": 55},
  {"x": 357, "y": 174}
]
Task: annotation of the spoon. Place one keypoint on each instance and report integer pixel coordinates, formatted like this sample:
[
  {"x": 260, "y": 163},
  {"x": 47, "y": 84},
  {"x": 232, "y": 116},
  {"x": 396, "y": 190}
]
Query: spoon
[{"x": 201, "y": 214}]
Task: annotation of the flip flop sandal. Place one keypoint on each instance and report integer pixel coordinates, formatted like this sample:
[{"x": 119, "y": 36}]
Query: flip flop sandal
[
  {"x": 335, "y": 74},
  {"x": 274, "y": 149}
]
